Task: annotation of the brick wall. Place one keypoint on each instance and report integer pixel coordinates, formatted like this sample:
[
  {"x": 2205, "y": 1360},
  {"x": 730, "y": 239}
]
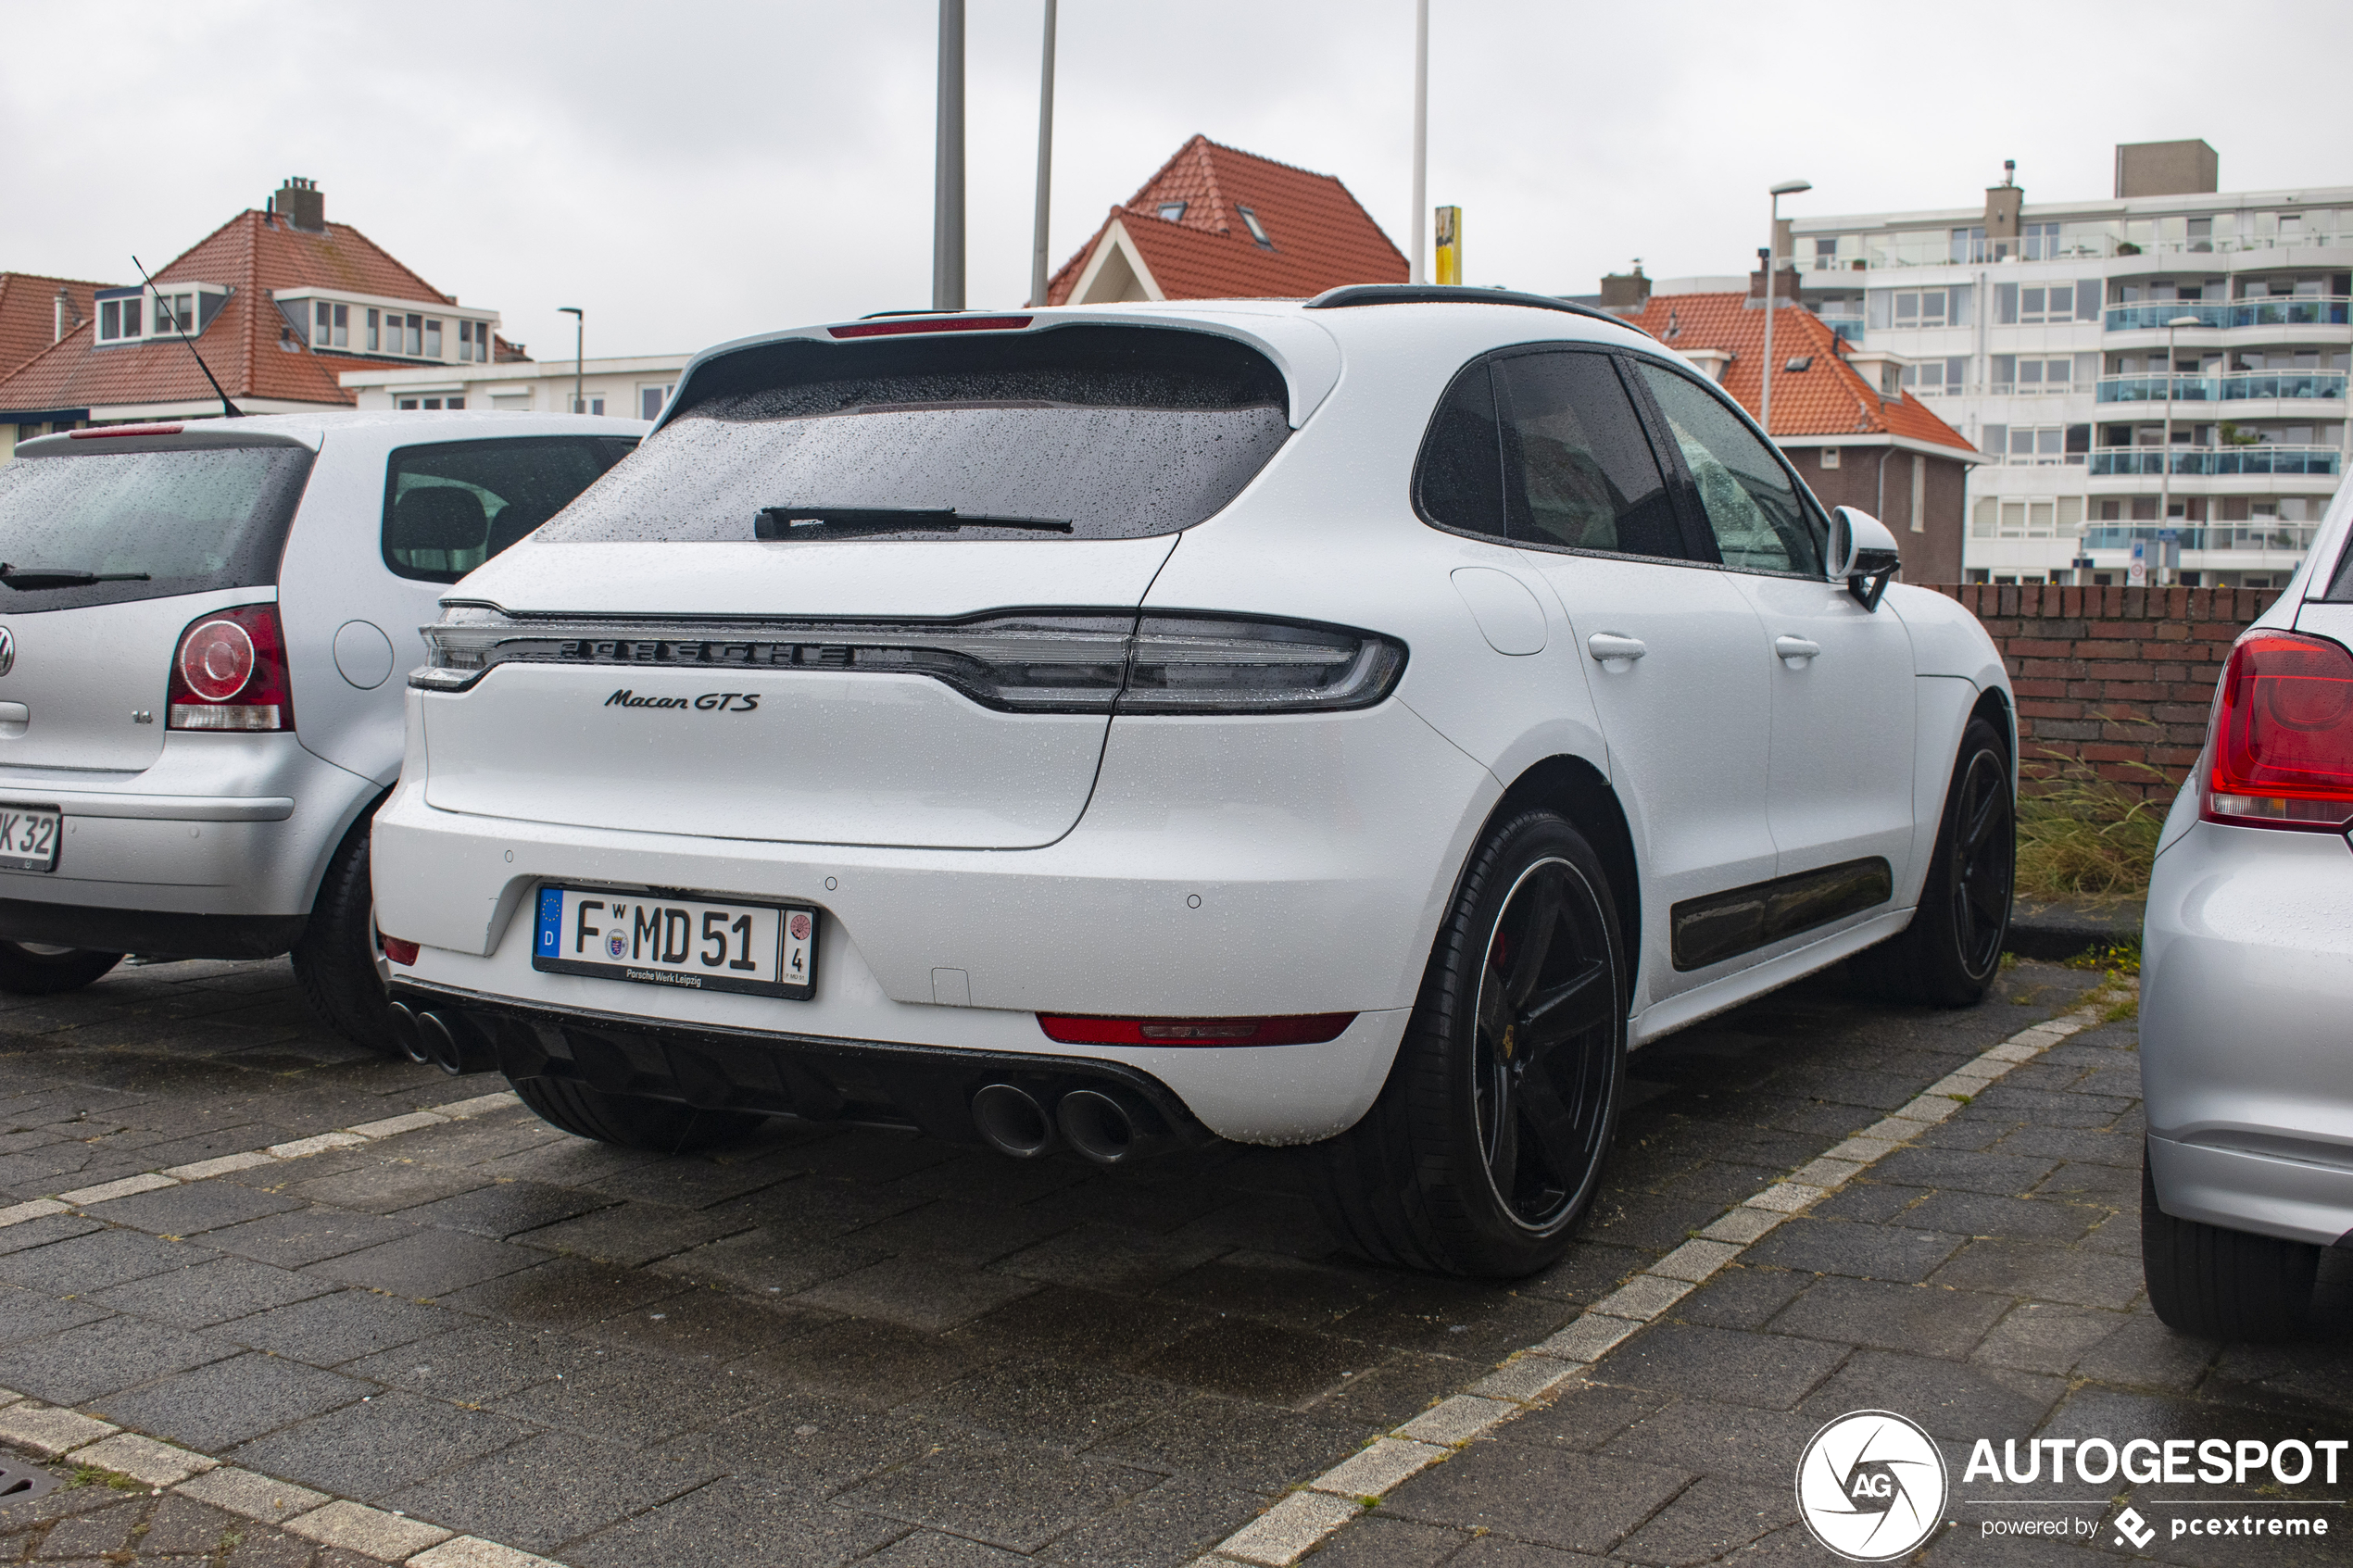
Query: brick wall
[{"x": 2113, "y": 681}]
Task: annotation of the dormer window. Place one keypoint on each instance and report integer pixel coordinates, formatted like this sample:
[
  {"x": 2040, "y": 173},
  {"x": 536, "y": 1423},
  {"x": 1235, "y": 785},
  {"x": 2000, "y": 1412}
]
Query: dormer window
[
  {"x": 330, "y": 325},
  {"x": 1257, "y": 229},
  {"x": 119, "y": 319},
  {"x": 142, "y": 315},
  {"x": 358, "y": 324},
  {"x": 1173, "y": 212},
  {"x": 473, "y": 343}
]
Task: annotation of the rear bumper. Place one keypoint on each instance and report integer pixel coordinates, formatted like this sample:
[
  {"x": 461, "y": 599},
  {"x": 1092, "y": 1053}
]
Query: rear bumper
[
  {"x": 233, "y": 829},
  {"x": 2246, "y": 1062},
  {"x": 872, "y": 1081}
]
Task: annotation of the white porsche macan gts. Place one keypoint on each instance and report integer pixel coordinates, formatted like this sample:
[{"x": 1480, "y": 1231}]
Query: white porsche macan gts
[{"x": 1352, "y": 723}]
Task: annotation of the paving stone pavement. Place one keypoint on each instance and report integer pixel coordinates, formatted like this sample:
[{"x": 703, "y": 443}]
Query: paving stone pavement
[{"x": 837, "y": 1345}]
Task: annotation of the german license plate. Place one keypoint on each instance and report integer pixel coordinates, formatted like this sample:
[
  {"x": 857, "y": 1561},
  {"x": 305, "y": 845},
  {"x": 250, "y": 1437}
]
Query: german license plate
[
  {"x": 28, "y": 837},
  {"x": 674, "y": 939}
]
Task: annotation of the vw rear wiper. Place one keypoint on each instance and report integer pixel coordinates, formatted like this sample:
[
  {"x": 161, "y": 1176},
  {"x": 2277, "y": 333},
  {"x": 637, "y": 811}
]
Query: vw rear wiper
[
  {"x": 40, "y": 577},
  {"x": 799, "y": 522}
]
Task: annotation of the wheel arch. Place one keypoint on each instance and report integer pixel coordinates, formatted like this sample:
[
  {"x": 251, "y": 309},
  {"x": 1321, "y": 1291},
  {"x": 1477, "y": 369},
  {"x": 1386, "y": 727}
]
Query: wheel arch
[{"x": 1576, "y": 789}]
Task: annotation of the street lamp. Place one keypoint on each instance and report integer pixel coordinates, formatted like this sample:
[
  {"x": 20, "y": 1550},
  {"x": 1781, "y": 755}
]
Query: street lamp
[
  {"x": 2165, "y": 452},
  {"x": 579, "y": 351},
  {"x": 1772, "y": 239}
]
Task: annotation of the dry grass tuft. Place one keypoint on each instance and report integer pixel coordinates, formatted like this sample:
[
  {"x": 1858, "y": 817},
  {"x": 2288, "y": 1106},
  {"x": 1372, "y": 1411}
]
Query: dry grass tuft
[{"x": 2082, "y": 839}]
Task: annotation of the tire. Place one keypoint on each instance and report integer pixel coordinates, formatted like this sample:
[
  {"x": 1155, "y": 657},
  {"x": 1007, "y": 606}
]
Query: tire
[
  {"x": 1486, "y": 1145},
  {"x": 1948, "y": 956},
  {"x": 633, "y": 1120},
  {"x": 2216, "y": 1283},
  {"x": 36, "y": 968},
  {"x": 338, "y": 963}
]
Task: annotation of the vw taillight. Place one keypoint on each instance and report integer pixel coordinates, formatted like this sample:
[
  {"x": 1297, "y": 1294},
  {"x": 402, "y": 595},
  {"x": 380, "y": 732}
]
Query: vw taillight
[
  {"x": 228, "y": 673},
  {"x": 2283, "y": 736}
]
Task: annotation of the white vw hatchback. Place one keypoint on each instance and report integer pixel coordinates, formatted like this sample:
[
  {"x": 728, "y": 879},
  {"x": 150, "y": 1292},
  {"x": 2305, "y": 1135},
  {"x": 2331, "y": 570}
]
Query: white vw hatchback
[{"x": 1353, "y": 722}]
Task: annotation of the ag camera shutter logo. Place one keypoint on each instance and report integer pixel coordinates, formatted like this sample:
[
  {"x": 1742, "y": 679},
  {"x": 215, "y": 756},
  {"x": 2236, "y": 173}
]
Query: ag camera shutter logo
[{"x": 1872, "y": 1485}]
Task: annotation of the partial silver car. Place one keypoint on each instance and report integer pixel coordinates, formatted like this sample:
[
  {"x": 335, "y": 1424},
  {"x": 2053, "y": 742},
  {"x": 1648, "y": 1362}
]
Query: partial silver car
[
  {"x": 2247, "y": 980},
  {"x": 203, "y": 629}
]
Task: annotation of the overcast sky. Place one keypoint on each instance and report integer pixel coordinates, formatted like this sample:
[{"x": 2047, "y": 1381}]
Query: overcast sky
[{"x": 692, "y": 171}]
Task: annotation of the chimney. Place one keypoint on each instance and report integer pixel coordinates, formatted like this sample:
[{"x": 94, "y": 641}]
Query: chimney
[
  {"x": 64, "y": 309},
  {"x": 1627, "y": 292},
  {"x": 2003, "y": 203},
  {"x": 299, "y": 204}
]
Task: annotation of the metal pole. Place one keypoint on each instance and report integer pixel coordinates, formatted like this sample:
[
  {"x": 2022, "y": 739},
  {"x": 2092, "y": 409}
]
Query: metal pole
[
  {"x": 948, "y": 186},
  {"x": 1421, "y": 139},
  {"x": 1045, "y": 161},
  {"x": 579, "y": 352},
  {"x": 1764, "y": 402},
  {"x": 2165, "y": 458}
]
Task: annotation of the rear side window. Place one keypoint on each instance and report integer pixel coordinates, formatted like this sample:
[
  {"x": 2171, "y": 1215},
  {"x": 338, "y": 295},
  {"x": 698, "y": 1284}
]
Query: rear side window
[
  {"x": 157, "y": 523},
  {"x": 1458, "y": 483},
  {"x": 1086, "y": 432},
  {"x": 1581, "y": 471},
  {"x": 451, "y": 506}
]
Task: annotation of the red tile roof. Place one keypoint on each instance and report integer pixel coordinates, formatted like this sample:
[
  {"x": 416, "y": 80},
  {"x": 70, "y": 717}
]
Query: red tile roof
[
  {"x": 1322, "y": 236},
  {"x": 1830, "y": 397},
  {"x": 29, "y": 313},
  {"x": 246, "y": 345}
]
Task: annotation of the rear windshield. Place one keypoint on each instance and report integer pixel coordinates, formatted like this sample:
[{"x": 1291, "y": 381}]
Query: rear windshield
[
  {"x": 1087, "y": 433},
  {"x": 453, "y": 505},
  {"x": 160, "y": 522}
]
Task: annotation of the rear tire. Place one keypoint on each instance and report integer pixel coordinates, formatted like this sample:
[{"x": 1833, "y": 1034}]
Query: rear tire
[
  {"x": 2218, "y": 1284},
  {"x": 339, "y": 963},
  {"x": 1948, "y": 956},
  {"x": 1486, "y": 1145},
  {"x": 633, "y": 1120},
  {"x": 35, "y": 968}
]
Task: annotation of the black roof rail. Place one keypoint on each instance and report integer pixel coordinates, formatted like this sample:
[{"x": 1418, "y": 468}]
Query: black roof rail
[{"x": 1450, "y": 294}]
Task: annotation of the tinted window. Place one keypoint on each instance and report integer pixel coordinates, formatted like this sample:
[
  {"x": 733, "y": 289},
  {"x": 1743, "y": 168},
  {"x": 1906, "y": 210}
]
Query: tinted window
[
  {"x": 189, "y": 519},
  {"x": 1582, "y": 472},
  {"x": 452, "y": 506},
  {"x": 1093, "y": 433},
  {"x": 1752, "y": 506},
  {"x": 1459, "y": 481},
  {"x": 2341, "y": 590}
]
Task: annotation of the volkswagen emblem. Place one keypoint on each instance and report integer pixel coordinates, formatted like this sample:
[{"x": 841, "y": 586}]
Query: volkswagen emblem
[{"x": 8, "y": 650}]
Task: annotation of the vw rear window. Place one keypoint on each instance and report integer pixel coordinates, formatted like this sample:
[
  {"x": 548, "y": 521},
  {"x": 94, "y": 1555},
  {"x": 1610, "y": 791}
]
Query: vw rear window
[
  {"x": 1087, "y": 432},
  {"x": 185, "y": 521}
]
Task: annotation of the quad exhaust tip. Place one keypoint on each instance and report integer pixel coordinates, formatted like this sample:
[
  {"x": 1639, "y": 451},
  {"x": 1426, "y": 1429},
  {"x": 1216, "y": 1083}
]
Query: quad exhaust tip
[
  {"x": 1011, "y": 1121},
  {"x": 1096, "y": 1125},
  {"x": 446, "y": 1041}
]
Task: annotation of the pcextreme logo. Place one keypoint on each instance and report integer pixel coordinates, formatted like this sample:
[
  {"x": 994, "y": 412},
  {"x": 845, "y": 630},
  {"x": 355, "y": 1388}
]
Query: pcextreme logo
[{"x": 1871, "y": 1486}]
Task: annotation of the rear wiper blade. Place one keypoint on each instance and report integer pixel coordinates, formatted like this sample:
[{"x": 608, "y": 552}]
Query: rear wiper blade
[
  {"x": 799, "y": 522},
  {"x": 51, "y": 577}
]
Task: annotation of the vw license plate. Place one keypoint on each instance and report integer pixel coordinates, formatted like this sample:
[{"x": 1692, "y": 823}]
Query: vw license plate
[
  {"x": 668, "y": 939},
  {"x": 28, "y": 837}
]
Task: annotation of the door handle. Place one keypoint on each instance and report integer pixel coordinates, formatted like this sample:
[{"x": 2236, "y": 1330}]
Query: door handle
[
  {"x": 1795, "y": 651},
  {"x": 1614, "y": 651}
]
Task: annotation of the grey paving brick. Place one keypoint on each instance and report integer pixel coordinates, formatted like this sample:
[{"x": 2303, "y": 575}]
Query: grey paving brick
[
  {"x": 305, "y": 1235},
  {"x": 1740, "y": 1298},
  {"x": 1848, "y": 1247},
  {"x": 1259, "y": 1361},
  {"x": 2042, "y": 1271},
  {"x": 476, "y": 1364},
  {"x": 1585, "y": 1415},
  {"x": 1768, "y": 1370},
  {"x": 228, "y": 1402},
  {"x": 29, "y": 1314},
  {"x": 563, "y": 1290},
  {"x": 874, "y": 1364},
  {"x": 1950, "y": 1401},
  {"x": 738, "y": 1519},
  {"x": 819, "y": 1443},
  {"x": 1239, "y": 1444},
  {"x": 1167, "y": 1526},
  {"x": 194, "y": 1208},
  {"x": 1985, "y": 1214},
  {"x": 1012, "y": 1495},
  {"x": 928, "y": 1548},
  {"x": 1455, "y": 1318},
  {"x": 2114, "y": 1186},
  {"x": 1375, "y": 1541},
  {"x": 549, "y": 1489},
  {"x": 1723, "y": 1440},
  {"x": 2046, "y": 1337},
  {"x": 1044, "y": 1402},
  {"x": 692, "y": 1181},
  {"x": 1582, "y": 1502},
  {"x": 1085, "y": 1327},
  {"x": 93, "y": 1261},
  {"x": 1712, "y": 1514},
  {"x": 634, "y": 1400},
  {"x": 2010, "y": 1174},
  {"x": 104, "y": 1358},
  {"x": 326, "y": 1330},
  {"x": 702, "y": 1324},
  {"x": 1863, "y": 1199},
  {"x": 633, "y": 1232},
  {"x": 427, "y": 1263},
  {"x": 92, "y": 1534},
  {"x": 1395, "y": 1388},
  {"x": 1932, "y": 1319},
  {"x": 369, "y": 1449},
  {"x": 184, "y": 1526},
  {"x": 214, "y": 1292},
  {"x": 1105, "y": 1256},
  {"x": 505, "y": 1208}
]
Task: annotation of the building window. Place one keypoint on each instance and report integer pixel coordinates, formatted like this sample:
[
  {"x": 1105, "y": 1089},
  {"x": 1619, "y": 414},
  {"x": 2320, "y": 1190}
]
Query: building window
[
  {"x": 2026, "y": 517},
  {"x": 1918, "y": 307},
  {"x": 1171, "y": 211},
  {"x": 473, "y": 343},
  {"x": 1257, "y": 229},
  {"x": 175, "y": 312},
  {"x": 432, "y": 337},
  {"x": 1966, "y": 245},
  {"x": 651, "y": 400},
  {"x": 1937, "y": 378},
  {"x": 109, "y": 320},
  {"x": 1830, "y": 457},
  {"x": 2033, "y": 374},
  {"x": 592, "y": 406},
  {"x": 2038, "y": 242},
  {"x": 330, "y": 325}
]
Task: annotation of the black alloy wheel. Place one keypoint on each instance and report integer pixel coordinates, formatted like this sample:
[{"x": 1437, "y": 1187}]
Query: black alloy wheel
[
  {"x": 1984, "y": 860},
  {"x": 1950, "y": 953},
  {"x": 1544, "y": 1061},
  {"x": 1487, "y": 1142}
]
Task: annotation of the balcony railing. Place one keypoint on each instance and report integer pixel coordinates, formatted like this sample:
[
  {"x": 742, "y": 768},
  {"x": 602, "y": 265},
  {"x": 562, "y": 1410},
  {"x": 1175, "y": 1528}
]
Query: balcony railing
[
  {"x": 1906, "y": 248},
  {"x": 2286, "y": 310},
  {"x": 2288, "y": 537},
  {"x": 2239, "y": 386},
  {"x": 2215, "y": 461}
]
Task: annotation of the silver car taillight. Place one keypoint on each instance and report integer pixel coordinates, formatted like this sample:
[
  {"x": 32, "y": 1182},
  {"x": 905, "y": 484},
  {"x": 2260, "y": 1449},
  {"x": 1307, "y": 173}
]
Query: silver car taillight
[{"x": 1043, "y": 661}]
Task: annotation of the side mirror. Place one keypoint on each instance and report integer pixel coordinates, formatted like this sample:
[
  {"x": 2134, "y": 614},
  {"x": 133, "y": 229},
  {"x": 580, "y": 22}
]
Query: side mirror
[{"x": 1863, "y": 552}]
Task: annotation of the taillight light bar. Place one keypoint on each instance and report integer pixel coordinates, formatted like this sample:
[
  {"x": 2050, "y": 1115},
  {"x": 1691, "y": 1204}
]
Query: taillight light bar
[
  {"x": 900, "y": 326},
  {"x": 101, "y": 433},
  {"x": 228, "y": 673},
  {"x": 2281, "y": 743},
  {"x": 1286, "y": 1029}
]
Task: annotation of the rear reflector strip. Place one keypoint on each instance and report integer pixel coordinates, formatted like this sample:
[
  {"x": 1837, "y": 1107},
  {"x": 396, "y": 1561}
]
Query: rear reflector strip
[
  {"x": 103, "y": 432},
  {"x": 932, "y": 324},
  {"x": 398, "y": 951},
  {"x": 1288, "y": 1029}
]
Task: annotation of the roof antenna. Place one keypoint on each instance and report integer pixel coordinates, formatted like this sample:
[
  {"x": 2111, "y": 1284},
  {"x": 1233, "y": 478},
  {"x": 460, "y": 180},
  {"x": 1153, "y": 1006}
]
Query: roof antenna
[{"x": 228, "y": 410}]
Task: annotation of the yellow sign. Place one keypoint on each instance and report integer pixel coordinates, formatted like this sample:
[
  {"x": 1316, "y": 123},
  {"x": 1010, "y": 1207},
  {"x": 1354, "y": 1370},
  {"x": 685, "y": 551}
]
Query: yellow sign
[{"x": 1450, "y": 244}]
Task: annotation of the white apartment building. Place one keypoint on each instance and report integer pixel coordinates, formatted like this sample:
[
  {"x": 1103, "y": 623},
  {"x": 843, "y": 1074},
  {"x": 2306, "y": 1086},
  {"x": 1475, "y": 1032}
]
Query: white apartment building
[
  {"x": 631, "y": 388},
  {"x": 2168, "y": 367}
]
